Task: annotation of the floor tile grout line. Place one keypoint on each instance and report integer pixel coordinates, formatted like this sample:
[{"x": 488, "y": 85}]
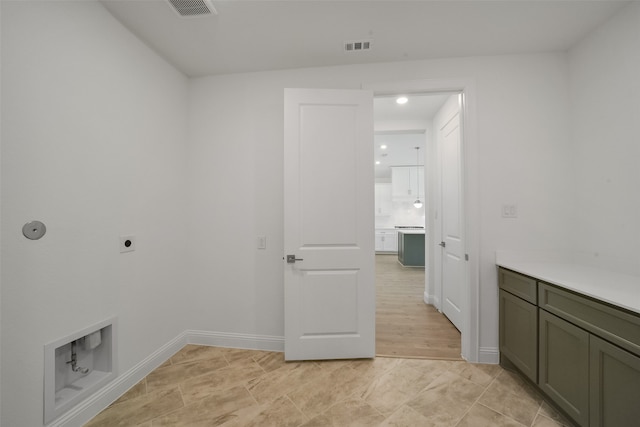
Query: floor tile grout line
[
  {"x": 251, "y": 394},
  {"x": 184, "y": 404},
  {"x": 499, "y": 412},
  {"x": 307, "y": 419},
  {"x": 476, "y": 401}
]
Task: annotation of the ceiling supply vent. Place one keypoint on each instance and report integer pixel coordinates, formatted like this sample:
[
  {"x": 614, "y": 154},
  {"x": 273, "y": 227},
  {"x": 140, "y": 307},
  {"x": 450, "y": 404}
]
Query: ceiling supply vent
[
  {"x": 358, "y": 45},
  {"x": 193, "y": 8}
]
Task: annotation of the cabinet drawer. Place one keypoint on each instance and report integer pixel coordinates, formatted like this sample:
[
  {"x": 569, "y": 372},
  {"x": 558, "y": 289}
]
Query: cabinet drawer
[
  {"x": 518, "y": 284},
  {"x": 615, "y": 325}
]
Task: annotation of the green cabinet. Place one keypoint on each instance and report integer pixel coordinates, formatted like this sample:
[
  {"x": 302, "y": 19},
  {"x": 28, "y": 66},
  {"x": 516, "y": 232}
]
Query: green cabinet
[
  {"x": 519, "y": 333},
  {"x": 614, "y": 378},
  {"x": 519, "y": 285},
  {"x": 564, "y": 365},
  {"x": 582, "y": 353}
]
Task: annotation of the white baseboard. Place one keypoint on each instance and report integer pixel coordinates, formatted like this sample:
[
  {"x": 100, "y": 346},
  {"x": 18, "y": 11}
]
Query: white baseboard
[
  {"x": 224, "y": 339},
  {"x": 93, "y": 405},
  {"x": 490, "y": 355},
  {"x": 431, "y": 299}
]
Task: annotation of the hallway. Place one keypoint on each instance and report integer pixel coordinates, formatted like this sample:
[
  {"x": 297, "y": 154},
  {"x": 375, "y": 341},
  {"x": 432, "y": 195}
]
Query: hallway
[{"x": 405, "y": 325}]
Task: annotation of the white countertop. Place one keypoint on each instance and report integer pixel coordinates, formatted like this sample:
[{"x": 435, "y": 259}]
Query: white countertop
[
  {"x": 622, "y": 290},
  {"x": 410, "y": 231}
]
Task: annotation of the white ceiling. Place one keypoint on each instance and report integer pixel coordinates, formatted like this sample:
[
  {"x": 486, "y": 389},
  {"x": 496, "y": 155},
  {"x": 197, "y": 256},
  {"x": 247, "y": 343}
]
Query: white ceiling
[
  {"x": 268, "y": 35},
  {"x": 401, "y": 128},
  {"x": 419, "y": 108}
]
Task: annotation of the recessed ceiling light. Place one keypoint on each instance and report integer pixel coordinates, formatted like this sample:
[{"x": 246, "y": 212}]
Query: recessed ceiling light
[
  {"x": 377, "y": 162},
  {"x": 383, "y": 147},
  {"x": 402, "y": 100}
]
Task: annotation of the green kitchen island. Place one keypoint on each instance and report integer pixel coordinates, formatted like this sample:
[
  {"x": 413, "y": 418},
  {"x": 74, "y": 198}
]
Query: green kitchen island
[{"x": 411, "y": 248}]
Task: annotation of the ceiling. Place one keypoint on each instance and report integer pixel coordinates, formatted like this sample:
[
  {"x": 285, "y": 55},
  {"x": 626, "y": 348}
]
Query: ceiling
[
  {"x": 418, "y": 109},
  {"x": 260, "y": 35},
  {"x": 401, "y": 128}
]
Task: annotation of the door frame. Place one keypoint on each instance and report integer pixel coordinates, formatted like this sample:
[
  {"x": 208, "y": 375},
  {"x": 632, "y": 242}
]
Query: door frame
[{"x": 470, "y": 176}]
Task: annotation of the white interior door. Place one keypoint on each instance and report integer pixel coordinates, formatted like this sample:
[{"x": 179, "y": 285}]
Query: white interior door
[
  {"x": 329, "y": 289},
  {"x": 448, "y": 123}
]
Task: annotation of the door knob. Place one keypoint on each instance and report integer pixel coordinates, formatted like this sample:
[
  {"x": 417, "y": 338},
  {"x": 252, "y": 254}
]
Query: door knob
[
  {"x": 443, "y": 244},
  {"x": 292, "y": 258}
]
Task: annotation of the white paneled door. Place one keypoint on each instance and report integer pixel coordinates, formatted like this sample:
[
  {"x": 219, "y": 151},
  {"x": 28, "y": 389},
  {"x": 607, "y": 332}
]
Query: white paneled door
[
  {"x": 449, "y": 141},
  {"x": 329, "y": 288}
]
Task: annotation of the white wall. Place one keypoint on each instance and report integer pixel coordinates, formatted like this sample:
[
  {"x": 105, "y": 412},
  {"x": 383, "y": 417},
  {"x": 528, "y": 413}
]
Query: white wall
[
  {"x": 236, "y": 178},
  {"x": 93, "y": 130},
  {"x": 605, "y": 106}
]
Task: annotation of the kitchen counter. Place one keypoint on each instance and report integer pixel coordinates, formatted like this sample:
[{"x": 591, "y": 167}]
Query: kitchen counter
[{"x": 621, "y": 290}]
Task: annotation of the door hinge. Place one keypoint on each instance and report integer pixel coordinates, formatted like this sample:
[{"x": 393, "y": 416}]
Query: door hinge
[{"x": 466, "y": 257}]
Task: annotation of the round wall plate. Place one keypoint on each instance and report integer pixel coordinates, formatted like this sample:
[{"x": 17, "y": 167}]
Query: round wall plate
[{"x": 34, "y": 230}]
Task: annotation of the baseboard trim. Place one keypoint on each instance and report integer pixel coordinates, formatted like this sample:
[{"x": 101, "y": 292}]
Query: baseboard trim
[
  {"x": 230, "y": 340},
  {"x": 93, "y": 405},
  {"x": 489, "y": 355},
  {"x": 432, "y": 300}
]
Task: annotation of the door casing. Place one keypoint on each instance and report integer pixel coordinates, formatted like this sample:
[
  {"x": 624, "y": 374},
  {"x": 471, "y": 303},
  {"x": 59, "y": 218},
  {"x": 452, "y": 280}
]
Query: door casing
[{"x": 470, "y": 173}]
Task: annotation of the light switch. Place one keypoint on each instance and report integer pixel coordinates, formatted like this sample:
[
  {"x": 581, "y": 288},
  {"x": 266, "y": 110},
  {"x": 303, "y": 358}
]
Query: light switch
[
  {"x": 509, "y": 211},
  {"x": 262, "y": 242}
]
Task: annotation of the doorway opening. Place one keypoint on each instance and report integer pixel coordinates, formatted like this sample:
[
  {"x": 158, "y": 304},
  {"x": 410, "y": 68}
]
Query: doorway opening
[{"x": 409, "y": 211}]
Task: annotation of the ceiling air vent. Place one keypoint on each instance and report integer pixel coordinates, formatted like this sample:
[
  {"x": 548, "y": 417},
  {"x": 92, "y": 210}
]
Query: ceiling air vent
[
  {"x": 357, "y": 45},
  {"x": 191, "y": 8}
]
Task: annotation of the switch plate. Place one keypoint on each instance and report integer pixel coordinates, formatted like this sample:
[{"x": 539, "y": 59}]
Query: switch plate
[
  {"x": 509, "y": 211},
  {"x": 262, "y": 242},
  {"x": 127, "y": 244}
]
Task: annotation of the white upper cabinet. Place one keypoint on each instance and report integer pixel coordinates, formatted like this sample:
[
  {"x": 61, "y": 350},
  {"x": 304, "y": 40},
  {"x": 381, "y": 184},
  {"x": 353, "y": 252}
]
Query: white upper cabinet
[
  {"x": 407, "y": 183},
  {"x": 383, "y": 199}
]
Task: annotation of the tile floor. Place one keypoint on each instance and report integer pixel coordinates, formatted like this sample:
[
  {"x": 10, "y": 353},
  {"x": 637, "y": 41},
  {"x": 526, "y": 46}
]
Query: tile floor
[{"x": 212, "y": 386}]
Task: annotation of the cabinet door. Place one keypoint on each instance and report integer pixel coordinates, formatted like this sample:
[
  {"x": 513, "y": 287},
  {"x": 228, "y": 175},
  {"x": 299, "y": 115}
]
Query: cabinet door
[
  {"x": 379, "y": 241},
  {"x": 391, "y": 241},
  {"x": 615, "y": 385},
  {"x": 401, "y": 183},
  {"x": 407, "y": 182},
  {"x": 383, "y": 199},
  {"x": 519, "y": 333},
  {"x": 564, "y": 365}
]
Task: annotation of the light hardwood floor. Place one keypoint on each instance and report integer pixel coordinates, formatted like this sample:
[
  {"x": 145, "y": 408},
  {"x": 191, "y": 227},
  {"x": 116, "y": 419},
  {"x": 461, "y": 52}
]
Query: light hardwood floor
[{"x": 405, "y": 325}]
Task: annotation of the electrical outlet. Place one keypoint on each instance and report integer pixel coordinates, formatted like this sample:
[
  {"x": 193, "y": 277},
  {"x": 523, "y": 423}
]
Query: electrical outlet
[
  {"x": 510, "y": 211},
  {"x": 127, "y": 244}
]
